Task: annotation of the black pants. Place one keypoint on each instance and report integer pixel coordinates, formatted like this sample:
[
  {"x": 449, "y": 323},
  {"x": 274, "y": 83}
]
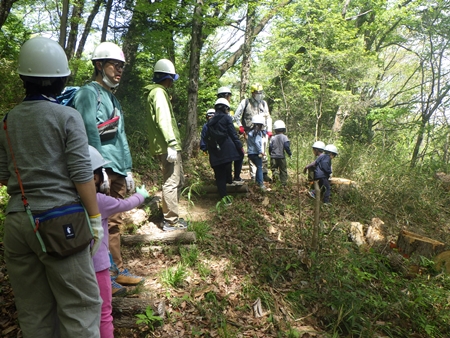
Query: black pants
[
  {"x": 222, "y": 173},
  {"x": 237, "y": 169}
]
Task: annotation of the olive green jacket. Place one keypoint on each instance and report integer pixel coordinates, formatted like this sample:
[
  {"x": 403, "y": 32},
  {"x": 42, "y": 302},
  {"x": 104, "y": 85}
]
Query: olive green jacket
[{"x": 162, "y": 127}]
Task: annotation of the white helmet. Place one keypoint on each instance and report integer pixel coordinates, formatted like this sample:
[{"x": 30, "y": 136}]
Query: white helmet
[
  {"x": 97, "y": 159},
  {"x": 108, "y": 50},
  {"x": 210, "y": 113},
  {"x": 278, "y": 124},
  {"x": 222, "y": 101},
  {"x": 223, "y": 90},
  {"x": 319, "y": 145},
  {"x": 164, "y": 66},
  {"x": 43, "y": 57},
  {"x": 258, "y": 119},
  {"x": 331, "y": 148}
]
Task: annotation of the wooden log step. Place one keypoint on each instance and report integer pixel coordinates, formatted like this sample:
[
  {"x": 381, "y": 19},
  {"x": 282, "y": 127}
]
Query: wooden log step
[{"x": 179, "y": 236}]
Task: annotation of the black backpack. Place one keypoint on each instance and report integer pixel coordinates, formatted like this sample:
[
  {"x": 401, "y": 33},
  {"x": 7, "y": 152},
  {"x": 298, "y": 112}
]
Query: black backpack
[{"x": 215, "y": 137}]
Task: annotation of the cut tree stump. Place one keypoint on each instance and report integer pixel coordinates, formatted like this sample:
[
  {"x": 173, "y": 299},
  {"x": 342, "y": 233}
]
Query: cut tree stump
[
  {"x": 179, "y": 236},
  {"x": 409, "y": 243},
  {"x": 125, "y": 310},
  {"x": 442, "y": 261}
]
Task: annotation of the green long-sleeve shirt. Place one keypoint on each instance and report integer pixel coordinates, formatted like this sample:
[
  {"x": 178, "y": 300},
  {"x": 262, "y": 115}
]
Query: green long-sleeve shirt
[
  {"x": 115, "y": 150},
  {"x": 162, "y": 127}
]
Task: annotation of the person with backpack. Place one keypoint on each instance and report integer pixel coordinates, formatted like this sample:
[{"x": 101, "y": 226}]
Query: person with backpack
[
  {"x": 223, "y": 144},
  {"x": 225, "y": 92},
  {"x": 203, "y": 146},
  {"x": 97, "y": 105},
  {"x": 255, "y": 105},
  {"x": 47, "y": 143},
  {"x": 165, "y": 141}
]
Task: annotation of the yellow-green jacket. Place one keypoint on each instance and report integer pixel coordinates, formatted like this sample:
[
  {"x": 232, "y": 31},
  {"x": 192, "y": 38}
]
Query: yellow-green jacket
[{"x": 162, "y": 127}]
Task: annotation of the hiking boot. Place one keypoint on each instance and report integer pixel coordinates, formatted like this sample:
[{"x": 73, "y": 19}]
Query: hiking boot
[
  {"x": 117, "y": 289},
  {"x": 126, "y": 278},
  {"x": 238, "y": 181},
  {"x": 181, "y": 224},
  {"x": 263, "y": 188},
  {"x": 327, "y": 204},
  {"x": 312, "y": 194}
]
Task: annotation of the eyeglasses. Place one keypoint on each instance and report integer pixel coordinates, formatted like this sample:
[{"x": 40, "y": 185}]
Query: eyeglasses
[{"x": 117, "y": 65}]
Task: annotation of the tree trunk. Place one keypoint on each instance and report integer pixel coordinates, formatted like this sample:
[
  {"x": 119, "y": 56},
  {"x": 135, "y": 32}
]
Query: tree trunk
[
  {"x": 77, "y": 12},
  {"x": 5, "y": 8},
  {"x": 232, "y": 60},
  {"x": 63, "y": 24},
  {"x": 247, "y": 49},
  {"x": 191, "y": 142},
  {"x": 178, "y": 236},
  {"x": 106, "y": 20},
  {"x": 87, "y": 29},
  {"x": 130, "y": 48}
]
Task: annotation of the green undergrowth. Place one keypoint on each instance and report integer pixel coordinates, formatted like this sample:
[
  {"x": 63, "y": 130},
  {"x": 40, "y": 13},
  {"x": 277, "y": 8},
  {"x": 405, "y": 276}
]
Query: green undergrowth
[{"x": 336, "y": 289}]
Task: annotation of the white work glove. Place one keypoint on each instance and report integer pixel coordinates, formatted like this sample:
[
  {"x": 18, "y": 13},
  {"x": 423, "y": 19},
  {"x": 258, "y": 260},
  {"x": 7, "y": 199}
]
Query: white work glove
[
  {"x": 130, "y": 182},
  {"x": 97, "y": 232},
  {"x": 104, "y": 187},
  {"x": 171, "y": 154},
  {"x": 142, "y": 191}
]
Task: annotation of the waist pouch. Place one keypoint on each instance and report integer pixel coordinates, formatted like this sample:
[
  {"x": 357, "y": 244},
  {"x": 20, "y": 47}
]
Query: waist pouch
[
  {"x": 108, "y": 129},
  {"x": 64, "y": 230}
]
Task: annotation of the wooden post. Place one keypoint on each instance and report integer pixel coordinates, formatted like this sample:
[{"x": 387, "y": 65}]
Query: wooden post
[{"x": 315, "y": 237}]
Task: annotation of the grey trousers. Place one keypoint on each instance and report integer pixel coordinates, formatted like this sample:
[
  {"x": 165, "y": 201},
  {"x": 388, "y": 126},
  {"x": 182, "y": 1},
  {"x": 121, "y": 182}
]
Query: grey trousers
[
  {"x": 173, "y": 177},
  {"x": 55, "y": 297}
]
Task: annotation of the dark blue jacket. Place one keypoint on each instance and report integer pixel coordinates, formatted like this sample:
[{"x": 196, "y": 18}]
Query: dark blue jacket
[
  {"x": 231, "y": 149},
  {"x": 203, "y": 145},
  {"x": 323, "y": 167}
]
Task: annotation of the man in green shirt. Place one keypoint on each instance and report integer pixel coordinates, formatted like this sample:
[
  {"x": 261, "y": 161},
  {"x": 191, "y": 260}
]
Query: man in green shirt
[{"x": 165, "y": 142}]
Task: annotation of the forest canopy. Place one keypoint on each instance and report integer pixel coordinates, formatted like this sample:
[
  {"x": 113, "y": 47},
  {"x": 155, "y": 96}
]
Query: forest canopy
[{"x": 368, "y": 72}]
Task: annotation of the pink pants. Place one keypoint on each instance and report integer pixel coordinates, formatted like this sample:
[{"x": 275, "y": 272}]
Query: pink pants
[{"x": 106, "y": 319}]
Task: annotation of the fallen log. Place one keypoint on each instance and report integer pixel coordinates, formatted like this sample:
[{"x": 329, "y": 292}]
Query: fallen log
[
  {"x": 125, "y": 310},
  {"x": 231, "y": 189},
  {"x": 409, "y": 243},
  {"x": 178, "y": 236},
  {"x": 341, "y": 181}
]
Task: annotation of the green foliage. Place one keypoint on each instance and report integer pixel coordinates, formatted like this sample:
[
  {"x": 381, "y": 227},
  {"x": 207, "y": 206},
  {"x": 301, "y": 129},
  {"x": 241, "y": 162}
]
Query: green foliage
[
  {"x": 365, "y": 295},
  {"x": 175, "y": 276},
  {"x": 194, "y": 187},
  {"x": 189, "y": 256},
  {"x": 202, "y": 230},
  {"x": 4, "y": 198},
  {"x": 149, "y": 319}
]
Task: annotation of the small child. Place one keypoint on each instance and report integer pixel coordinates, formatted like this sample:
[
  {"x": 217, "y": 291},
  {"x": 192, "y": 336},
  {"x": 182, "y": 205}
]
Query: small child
[
  {"x": 254, "y": 147},
  {"x": 317, "y": 149},
  {"x": 209, "y": 114},
  {"x": 279, "y": 144},
  {"x": 108, "y": 206}
]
